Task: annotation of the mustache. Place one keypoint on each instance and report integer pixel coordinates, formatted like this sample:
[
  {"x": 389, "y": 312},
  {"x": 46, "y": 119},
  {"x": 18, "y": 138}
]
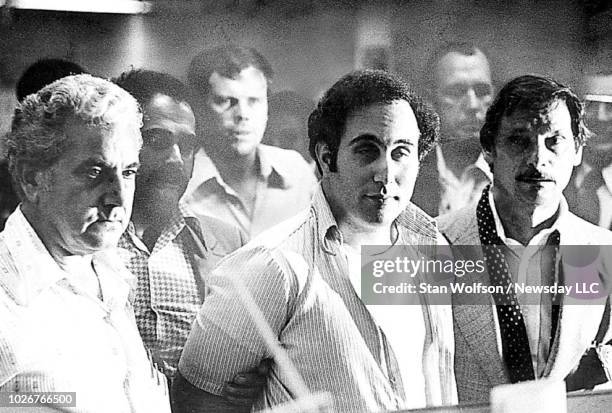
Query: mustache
[{"x": 534, "y": 175}]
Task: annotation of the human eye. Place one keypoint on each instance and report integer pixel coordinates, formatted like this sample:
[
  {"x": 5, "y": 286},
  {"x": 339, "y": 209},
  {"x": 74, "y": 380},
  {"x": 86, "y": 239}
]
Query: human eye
[
  {"x": 400, "y": 152},
  {"x": 367, "y": 151},
  {"x": 94, "y": 172},
  {"x": 518, "y": 140},
  {"x": 130, "y": 173},
  {"x": 553, "y": 142},
  {"x": 223, "y": 102}
]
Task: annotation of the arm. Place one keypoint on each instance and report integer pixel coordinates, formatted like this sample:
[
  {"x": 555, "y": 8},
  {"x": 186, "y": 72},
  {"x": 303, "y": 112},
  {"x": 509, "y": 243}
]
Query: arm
[
  {"x": 224, "y": 345},
  {"x": 186, "y": 398}
]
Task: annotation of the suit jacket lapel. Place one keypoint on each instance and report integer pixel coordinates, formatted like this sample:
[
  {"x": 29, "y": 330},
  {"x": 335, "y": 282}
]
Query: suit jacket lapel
[{"x": 476, "y": 322}]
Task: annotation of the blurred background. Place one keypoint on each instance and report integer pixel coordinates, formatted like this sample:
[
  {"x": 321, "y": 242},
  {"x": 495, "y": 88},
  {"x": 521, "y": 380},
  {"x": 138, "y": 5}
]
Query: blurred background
[{"x": 310, "y": 43}]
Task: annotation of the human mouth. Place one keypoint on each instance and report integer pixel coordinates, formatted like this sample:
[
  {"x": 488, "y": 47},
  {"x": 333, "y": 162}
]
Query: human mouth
[
  {"x": 381, "y": 199},
  {"x": 538, "y": 179}
]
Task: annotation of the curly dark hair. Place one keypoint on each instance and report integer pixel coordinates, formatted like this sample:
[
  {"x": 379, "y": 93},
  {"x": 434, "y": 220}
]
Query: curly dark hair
[
  {"x": 533, "y": 94},
  {"x": 357, "y": 90}
]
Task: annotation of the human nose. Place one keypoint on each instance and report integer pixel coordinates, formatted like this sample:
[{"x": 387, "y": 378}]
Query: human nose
[
  {"x": 174, "y": 154},
  {"x": 539, "y": 153},
  {"x": 384, "y": 170},
  {"x": 604, "y": 112},
  {"x": 472, "y": 100},
  {"x": 242, "y": 110},
  {"x": 117, "y": 193}
]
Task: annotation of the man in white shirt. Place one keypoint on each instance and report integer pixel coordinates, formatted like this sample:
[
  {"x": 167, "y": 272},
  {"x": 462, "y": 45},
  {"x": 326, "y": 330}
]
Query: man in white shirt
[
  {"x": 532, "y": 138},
  {"x": 367, "y": 136},
  {"x": 66, "y": 324},
  {"x": 236, "y": 178}
]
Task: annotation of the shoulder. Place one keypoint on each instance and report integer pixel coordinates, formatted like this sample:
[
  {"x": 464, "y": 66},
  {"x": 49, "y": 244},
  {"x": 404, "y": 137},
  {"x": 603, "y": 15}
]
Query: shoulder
[
  {"x": 582, "y": 232},
  {"x": 289, "y": 163},
  {"x": 227, "y": 234},
  {"x": 11, "y": 282},
  {"x": 459, "y": 226},
  {"x": 277, "y": 252}
]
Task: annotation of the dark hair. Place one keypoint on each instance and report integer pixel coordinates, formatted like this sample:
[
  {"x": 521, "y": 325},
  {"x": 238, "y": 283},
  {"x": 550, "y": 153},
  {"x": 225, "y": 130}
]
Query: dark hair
[
  {"x": 144, "y": 84},
  {"x": 360, "y": 89},
  {"x": 43, "y": 72},
  {"x": 228, "y": 61},
  {"x": 430, "y": 70},
  {"x": 535, "y": 95}
]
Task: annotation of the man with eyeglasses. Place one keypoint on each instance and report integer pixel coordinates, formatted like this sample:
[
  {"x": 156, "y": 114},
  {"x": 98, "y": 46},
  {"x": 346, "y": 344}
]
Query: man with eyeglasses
[
  {"x": 167, "y": 249},
  {"x": 458, "y": 81},
  {"x": 589, "y": 195}
]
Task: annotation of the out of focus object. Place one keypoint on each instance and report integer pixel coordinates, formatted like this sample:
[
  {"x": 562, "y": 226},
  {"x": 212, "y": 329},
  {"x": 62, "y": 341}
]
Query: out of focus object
[
  {"x": 43, "y": 72},
  {"x": 84, "y": 6},
  {"x": 539, "y": 396}
]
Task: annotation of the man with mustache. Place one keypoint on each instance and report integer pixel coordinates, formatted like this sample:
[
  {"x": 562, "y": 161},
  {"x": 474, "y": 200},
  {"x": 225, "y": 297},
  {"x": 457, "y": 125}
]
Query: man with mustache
[
  {"x": 532, "y": 138},
  {"x": 367, "y": 135},
  {"x": 169, "y": 251},
  {"x": 589, "y": 194},
  {"x": 458, "y": 81},
  {"x": 66, "y": 323}
]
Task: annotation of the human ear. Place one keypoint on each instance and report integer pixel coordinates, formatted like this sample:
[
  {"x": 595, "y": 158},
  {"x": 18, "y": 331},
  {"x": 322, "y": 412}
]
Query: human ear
[
  {"x": 324, "y": 157},
  {"x": 32, "y": 181}
]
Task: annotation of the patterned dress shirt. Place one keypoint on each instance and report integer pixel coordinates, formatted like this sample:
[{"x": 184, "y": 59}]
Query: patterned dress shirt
[
  {"x": 54, "y": 336},
  {"x": 299, "y": 278},
  {"x": 285, "y": 187},
  {"x": 169, "y": 281}
]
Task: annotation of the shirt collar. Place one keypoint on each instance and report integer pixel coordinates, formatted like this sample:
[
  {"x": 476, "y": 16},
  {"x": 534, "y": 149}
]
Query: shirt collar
[
  {"x": 184, "y": 220},
  {"x": 37, "y": 270},
  {"x": 327, "y": 227},
  {"x": 540, "y": 238},
  {"x": 480, "y": 167},
  {"x": 273, "y": 172}
]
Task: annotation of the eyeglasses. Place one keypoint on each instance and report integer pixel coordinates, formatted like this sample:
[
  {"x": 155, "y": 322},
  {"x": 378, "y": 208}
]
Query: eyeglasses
[
  {"x": 161, "y": 139},
  {"x": 455, "y": 93}
]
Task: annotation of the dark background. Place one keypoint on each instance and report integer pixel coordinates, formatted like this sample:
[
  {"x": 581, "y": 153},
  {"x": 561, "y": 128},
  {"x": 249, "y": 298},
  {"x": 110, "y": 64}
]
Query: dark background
[{"x": 311, "y": 43}]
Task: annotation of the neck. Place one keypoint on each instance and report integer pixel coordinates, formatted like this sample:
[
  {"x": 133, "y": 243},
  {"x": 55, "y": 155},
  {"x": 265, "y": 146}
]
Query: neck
[
  {"x": 145, "y": 218},
  {"x": 457, "y": 160},
  {"x": 523, "y": 221},
  {"x": 358, "y": 235},
  {"x": 234, "y": 167}
]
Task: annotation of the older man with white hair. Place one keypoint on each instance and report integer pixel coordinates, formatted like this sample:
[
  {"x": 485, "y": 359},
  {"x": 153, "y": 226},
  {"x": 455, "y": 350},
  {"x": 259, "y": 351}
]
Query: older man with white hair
[{"x": 66, "y": 324}]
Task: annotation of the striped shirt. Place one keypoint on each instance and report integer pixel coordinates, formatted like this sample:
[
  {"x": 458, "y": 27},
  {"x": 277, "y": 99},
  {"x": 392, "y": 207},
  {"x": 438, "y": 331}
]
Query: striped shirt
[
  {"x": 54, "y": 336},
  {"x": 298, "y": 276}
]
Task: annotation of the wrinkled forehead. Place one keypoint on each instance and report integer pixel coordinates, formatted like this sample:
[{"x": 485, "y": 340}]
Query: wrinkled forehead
[
  {"x": 598, "y": 88},
  {"x": 455, "y": 67}
]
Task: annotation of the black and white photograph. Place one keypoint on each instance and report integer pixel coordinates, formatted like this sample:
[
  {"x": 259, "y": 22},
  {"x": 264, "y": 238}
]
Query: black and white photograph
[{"x": 306, "y": 206}]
